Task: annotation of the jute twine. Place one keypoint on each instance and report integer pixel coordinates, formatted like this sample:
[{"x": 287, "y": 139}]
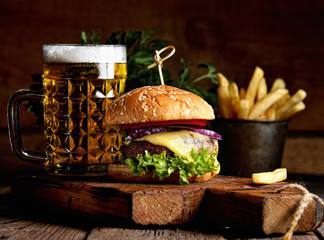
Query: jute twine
[
  {"x": 302, "y": 205},
  {"x": 159, "y": 61}
]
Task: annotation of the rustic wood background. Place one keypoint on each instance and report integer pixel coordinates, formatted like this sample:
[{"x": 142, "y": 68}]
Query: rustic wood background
[{"x": 285, "y": 38}]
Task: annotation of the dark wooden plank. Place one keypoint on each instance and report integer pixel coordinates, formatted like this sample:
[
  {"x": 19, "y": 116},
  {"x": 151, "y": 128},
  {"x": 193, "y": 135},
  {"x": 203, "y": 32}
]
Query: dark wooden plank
[
  {"x": 162, "y": 234},
  {"x": 268, "y": 214},
  {"x": 164, "y": 207},
  {"x": 24, "y": 229},
  {"x": 148, "y": 234},
  {"x": 224, "y": 201}
]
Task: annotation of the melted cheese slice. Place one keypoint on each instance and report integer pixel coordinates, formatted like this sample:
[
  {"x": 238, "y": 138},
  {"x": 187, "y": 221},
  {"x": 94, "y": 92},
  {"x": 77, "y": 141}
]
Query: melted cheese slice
[{"x": 181, "y": 142}]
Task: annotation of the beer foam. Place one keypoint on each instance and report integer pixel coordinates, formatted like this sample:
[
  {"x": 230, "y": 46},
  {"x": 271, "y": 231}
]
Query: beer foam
[{"x": 84, "y": 53}]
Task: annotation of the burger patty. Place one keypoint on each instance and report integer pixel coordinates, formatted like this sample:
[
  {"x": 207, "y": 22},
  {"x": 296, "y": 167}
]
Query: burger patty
[{"x": 138, "y": 147}]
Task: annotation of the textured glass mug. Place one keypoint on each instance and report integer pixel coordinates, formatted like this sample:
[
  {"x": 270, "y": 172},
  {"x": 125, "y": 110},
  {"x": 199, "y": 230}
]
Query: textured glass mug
[{"x": 79, "y": 83}]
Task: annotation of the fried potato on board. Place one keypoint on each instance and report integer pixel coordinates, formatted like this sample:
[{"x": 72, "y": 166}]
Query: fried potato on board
[
  {"x": 277, "y": 175},
  {"x": 262, "y": 105},
  {"x": 253, "y": 85}
]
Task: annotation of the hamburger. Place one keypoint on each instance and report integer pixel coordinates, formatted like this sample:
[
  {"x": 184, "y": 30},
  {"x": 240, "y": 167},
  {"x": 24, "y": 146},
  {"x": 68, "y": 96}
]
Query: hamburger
[{"x": 164, "y": 139}]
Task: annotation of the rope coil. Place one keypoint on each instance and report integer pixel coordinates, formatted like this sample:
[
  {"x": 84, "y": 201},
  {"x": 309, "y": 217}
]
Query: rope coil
[{"x": 302, "y": 205}]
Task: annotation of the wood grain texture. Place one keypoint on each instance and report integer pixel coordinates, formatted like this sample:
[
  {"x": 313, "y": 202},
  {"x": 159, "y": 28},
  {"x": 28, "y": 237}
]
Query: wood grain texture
[
  {"x": 223, "y": 201},
  {"x": 304, "y": 155},
  {"x": 164, "y": 207},
  {"x": 38, "y": 230},
  {"x": 149, "y": 234},
  {"x": 278, "y": 214},
  {"x": 285, "y": 38}
]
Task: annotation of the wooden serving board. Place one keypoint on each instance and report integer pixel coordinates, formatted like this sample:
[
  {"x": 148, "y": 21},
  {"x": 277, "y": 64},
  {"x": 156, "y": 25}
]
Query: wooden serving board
[{"x": 224, "y": 201}]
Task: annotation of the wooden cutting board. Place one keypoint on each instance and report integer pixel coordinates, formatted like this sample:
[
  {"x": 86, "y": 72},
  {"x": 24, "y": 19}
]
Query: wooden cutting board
[{"x": 224, "y": 201}]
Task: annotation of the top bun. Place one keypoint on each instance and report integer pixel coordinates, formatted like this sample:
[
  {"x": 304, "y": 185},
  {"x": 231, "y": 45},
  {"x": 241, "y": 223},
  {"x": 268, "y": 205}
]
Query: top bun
[{"x": 158, "y": 103}]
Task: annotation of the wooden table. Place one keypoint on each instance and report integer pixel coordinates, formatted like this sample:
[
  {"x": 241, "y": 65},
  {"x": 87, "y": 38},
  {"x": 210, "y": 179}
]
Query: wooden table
[{"x": 21, "y": 222}]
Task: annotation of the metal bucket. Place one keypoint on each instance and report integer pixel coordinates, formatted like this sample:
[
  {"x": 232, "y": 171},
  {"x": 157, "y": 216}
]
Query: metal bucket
[{"x": 250, "y": 146}]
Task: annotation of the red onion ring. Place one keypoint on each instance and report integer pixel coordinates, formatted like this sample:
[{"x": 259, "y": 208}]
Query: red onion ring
[{"x": 133, "y": 133}]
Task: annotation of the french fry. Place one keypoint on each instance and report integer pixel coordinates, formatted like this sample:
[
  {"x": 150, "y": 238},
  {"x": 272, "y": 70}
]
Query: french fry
[
  {"x": 224, "y": 102},
  {"x": 224, "y": 98},
  {"x": 300, "y": 95},
  {"x": 256, "y": 102},
  {"x": 244, "y": 107},
  {"x": 281, "y": 101},
  {"x": 235, "y": 98},
  {"x": 223, "y": 82},
  {"x": 292, "y": 111},
  {"x": 271, "y": 113},
  {"x": 278, "y": 83},
  {"x": 264, "y": 116},
  {"x": 277, "y": 175},
  {"x": 262, "y": 90},
  {"x": 267, "y": 101},
  {"x": 253, "y": 85},
  {"x": 242, "y": 93}
]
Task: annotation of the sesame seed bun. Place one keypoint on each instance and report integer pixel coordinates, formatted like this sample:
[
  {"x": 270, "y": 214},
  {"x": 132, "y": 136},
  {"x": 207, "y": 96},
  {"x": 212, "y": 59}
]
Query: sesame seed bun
[{"x": 158, "y": 103}]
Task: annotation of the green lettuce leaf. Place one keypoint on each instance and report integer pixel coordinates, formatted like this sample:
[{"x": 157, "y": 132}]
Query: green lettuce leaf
[{"x": 162, "y": 165}]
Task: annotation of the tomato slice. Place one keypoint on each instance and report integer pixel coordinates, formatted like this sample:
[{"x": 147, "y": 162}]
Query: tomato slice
[{"x": 198, "y": 122}]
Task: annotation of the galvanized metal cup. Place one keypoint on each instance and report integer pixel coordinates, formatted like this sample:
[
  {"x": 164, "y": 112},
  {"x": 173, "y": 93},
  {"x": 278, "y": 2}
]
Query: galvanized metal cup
[{"x": 250, "y": 146}]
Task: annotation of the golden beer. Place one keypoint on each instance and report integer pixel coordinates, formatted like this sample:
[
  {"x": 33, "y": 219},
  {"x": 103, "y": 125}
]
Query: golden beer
[{"x": 79, "y": 83}]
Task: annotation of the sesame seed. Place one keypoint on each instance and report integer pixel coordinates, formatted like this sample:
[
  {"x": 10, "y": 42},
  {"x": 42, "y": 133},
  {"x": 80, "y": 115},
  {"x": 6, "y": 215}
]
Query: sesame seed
[{"x": 172, "y": 97}]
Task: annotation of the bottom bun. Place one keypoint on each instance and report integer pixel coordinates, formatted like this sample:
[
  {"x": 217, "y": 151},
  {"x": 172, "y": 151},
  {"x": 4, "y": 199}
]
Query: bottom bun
[{"x": 123, "y": 173}]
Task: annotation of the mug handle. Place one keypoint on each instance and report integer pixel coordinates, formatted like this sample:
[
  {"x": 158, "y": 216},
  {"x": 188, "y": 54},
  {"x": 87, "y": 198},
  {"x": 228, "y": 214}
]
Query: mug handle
[{"x": 14, "y": 126}]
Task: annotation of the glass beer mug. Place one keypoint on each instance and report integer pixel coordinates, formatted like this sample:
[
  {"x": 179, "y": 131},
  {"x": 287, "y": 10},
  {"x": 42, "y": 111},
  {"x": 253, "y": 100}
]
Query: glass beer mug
[{"x": 79, "y": 83}]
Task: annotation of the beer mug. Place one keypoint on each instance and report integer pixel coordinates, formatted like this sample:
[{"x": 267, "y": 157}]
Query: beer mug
[{"x": 79, "y": 83}]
